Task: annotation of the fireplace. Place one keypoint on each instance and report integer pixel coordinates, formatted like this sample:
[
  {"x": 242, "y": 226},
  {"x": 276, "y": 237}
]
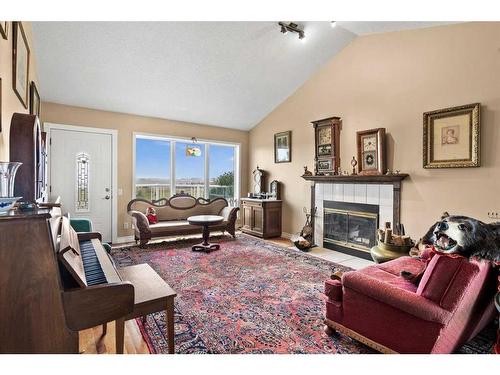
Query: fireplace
[{"x": 350, "y": 227}]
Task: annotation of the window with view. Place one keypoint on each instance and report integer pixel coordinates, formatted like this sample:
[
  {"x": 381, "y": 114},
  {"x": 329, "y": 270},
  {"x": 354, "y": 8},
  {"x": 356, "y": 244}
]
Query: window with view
[
  {"x": 167, "y": 166},
  {"x": 152, "y": 169}
]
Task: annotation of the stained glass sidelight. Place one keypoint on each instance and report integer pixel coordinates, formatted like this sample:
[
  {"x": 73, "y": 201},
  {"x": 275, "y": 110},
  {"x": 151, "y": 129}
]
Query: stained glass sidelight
[{"x": 82, "y": 182}]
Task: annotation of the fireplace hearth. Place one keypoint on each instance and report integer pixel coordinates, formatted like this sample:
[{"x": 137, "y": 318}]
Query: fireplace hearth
[{"x": 350, "y": 227}]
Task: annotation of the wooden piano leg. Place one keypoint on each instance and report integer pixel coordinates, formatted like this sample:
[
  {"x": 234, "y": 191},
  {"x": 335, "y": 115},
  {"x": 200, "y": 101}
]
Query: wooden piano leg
[
  {"x": 170, "y": 325},
  {"x": 120, "y": 335}
]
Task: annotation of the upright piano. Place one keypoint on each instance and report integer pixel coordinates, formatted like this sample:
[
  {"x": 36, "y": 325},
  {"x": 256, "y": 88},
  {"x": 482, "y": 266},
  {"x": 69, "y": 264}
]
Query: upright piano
[{"x": 54, "y": 283}]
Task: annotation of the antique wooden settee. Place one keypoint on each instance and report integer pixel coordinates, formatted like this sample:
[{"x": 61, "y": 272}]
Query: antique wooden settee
[{"x": 172, "y": 216}]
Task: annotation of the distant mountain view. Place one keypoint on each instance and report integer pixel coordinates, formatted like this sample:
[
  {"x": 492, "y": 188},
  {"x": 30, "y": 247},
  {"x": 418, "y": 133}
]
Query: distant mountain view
[{"x": 166, "y": 181}]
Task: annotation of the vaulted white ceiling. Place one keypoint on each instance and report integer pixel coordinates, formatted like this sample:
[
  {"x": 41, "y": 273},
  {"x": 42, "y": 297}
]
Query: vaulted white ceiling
[{"x": 229, "y": 74}]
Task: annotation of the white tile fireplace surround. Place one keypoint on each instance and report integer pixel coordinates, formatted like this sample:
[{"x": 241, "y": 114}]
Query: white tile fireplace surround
[{"x": 376, "y": 194}]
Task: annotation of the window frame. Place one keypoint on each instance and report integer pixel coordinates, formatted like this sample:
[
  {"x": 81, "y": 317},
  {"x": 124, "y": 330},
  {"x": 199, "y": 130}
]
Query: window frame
[{"x": 206, "y": 143}]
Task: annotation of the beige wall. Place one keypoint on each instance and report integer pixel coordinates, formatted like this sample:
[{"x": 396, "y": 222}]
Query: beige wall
[
  {"x": 126, "y": 125},
  {"x": 389, "y": 80},
  {"x": 10, "y": 101}
]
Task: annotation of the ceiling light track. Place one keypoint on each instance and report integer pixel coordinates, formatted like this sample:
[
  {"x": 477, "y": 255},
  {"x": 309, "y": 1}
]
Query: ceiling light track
[{"x": 292, "y": 27}]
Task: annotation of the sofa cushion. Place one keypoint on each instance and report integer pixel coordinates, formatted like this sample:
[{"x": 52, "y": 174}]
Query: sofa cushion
[
  {"x": 179, "y": 227},
  {"x": 389, "y": 272},
  {"x": 446, "y": 279},
  {"x": 183, "y": 202},
  {"x": 171, "y": 226}
]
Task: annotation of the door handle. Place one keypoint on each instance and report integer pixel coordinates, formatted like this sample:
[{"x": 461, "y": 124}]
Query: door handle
[{"x": 107, "y": 197}]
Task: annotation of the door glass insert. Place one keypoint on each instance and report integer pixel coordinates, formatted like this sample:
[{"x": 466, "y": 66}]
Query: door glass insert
[{"x": 82, "y": 182}]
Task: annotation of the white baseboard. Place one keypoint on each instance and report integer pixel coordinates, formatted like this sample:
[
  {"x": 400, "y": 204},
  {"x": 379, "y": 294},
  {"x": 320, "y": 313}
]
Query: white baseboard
[{"x": 125, "y": 239}]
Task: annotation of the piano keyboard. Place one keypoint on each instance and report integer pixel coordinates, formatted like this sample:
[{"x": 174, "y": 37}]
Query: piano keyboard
[{"x": 93, "y": 271}]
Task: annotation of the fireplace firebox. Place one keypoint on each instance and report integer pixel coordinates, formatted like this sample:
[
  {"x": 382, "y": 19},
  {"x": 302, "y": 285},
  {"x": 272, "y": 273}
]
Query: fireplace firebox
[{"x": 350, "y": 227}]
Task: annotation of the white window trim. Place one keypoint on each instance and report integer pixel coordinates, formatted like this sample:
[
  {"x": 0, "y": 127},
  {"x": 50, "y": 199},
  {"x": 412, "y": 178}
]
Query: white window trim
[{"x": 205, "y": 142}]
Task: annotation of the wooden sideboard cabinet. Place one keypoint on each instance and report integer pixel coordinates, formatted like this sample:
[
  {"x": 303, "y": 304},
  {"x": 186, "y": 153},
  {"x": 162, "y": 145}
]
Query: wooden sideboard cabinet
[{"x": 261, "y": 217}]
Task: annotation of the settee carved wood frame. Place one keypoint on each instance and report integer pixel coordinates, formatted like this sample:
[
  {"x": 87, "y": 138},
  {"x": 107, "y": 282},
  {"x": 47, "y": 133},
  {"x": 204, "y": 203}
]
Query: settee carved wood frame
[{"x": 167, "y": 202}]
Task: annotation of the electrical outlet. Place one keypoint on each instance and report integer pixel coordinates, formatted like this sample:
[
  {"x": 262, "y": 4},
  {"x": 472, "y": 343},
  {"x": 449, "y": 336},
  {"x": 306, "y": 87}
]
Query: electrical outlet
[
  {"x": 125, "y": 225},
  {"x": 494, "y": 215}
]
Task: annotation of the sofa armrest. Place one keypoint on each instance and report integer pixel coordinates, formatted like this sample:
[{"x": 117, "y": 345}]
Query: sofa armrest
[
  {"x": 404, "y": 300},
  {"x": 333, "y": 290},
  {"x": 141, "y": 222},
  {"x": 229, "y": 213}
]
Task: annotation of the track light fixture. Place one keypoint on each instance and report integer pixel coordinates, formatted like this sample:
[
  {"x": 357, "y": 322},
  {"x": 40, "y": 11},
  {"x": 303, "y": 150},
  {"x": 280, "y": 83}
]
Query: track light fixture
[{"x": 293, "y": 27}]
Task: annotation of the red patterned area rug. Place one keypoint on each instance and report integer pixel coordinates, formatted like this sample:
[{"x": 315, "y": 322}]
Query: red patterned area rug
[{"x": 248, "y": 297}]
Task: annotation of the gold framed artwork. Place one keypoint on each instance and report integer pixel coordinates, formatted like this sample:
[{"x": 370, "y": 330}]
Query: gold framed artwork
[
  {"x": 371, "y": 151},
  {"x": 452, "y": 137},
  {"x": 34, "y": 100},
  {"x": 4, "y": 29},
  {"x": 283, "y": 147},
  {"x": 20, "y": 63}
]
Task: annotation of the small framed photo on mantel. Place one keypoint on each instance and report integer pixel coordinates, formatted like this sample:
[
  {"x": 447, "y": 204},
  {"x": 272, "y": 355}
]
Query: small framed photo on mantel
[
  {"x": 283, "y": 147},
  {"x": 452, "y": 137},
  {"x": 371, "y": 151}
]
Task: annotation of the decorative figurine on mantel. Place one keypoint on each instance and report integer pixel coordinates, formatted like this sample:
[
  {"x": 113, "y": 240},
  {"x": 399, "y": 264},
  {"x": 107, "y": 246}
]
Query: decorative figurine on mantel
[
  {"x": 354, "y": 162},
  {"x": 307, "y": 172}
]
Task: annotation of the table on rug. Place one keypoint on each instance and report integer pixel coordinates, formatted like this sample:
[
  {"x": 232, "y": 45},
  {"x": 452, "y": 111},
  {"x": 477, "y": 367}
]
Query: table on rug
[
  {"x": 152, "y": 294},
  {"x": 206, "y": 221}
]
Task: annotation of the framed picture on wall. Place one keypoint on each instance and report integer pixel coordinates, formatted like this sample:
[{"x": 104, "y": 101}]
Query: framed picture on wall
[
  {"x": 20, "y": 63},
  {"x": 283, "y": 147},
  {"x": 4, "y": 29},
  {"x": 371, "y": 151},
  {"x": 34, "y": 100},
  {"x": 452, "y": 137},
  {"x": 0, "y": 104}
]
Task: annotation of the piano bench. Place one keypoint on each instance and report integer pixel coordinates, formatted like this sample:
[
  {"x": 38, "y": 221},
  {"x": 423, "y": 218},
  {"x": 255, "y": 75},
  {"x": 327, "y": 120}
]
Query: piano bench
[{"x": 152, "y": 294}]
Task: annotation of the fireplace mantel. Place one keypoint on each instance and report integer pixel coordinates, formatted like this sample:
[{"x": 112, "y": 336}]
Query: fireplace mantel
[
  {"x": 384, "y": 191},
  {"x": 359, "y": 179}
]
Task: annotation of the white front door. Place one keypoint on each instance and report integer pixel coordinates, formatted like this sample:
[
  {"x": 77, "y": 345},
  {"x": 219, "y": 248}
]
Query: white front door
[{"x": 81, "y": 174}]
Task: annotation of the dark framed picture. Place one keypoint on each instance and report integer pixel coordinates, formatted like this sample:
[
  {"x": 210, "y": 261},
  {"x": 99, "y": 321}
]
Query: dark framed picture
[
  {"x": 452, "y": 137},
  {"x": 371, "y": 151},
  {"x": 4, "y": 29},
  {"x": 283, "y": 147},
  {"x": 34, "y": 100},
  {"x": 20, "y": 63},
  {"x": 324, "y": 165}
]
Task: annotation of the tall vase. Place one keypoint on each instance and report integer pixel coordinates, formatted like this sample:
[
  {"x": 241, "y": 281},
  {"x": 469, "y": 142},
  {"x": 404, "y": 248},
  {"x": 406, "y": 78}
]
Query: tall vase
[
  {"x": 7, "y": 176},
  {"x": 8, "y": 172}
]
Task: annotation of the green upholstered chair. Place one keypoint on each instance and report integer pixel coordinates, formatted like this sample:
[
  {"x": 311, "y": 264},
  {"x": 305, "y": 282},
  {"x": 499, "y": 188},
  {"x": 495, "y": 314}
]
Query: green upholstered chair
[{"x": 85, "y": 225}]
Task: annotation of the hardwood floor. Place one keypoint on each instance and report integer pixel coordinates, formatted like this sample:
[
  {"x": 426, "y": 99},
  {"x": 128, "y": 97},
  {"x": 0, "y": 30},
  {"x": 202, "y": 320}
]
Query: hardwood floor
[{"x": 93, "y": 342}]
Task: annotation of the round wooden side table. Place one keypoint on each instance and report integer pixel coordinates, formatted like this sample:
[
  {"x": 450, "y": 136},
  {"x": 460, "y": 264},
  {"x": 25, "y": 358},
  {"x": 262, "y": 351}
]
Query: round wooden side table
[{"x": 205, "y": 221}]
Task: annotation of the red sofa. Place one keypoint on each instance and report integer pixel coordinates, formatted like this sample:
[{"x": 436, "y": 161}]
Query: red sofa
[{"x": 450, "y": 305}]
